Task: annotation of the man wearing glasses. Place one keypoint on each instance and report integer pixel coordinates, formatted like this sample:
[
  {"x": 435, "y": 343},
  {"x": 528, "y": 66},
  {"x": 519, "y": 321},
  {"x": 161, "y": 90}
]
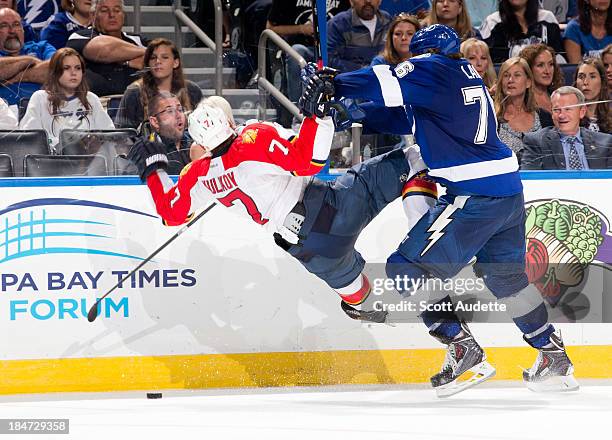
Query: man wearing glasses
[
  {"x": 23, "y": 66},
  {"x": 167, "y": 123}
]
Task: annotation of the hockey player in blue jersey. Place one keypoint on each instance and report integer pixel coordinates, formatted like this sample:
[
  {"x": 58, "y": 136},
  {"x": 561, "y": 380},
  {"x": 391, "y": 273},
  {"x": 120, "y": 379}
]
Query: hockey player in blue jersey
[{"x": 482, "y": 213}]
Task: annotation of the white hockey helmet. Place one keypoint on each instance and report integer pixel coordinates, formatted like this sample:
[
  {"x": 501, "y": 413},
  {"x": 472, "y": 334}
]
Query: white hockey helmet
[{"x": 209, "y": 127}]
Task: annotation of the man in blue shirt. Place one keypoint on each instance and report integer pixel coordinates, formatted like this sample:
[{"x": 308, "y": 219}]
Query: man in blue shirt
[
  {"x": 482, "y": 213},
  {"x": 23, "y": 66},
  {"x": 567, "y": 146},
  {"x": 357, "y": 35}
]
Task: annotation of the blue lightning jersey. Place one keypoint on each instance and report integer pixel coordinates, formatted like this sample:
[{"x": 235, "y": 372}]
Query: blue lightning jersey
[{"x": 455, "y": 123}]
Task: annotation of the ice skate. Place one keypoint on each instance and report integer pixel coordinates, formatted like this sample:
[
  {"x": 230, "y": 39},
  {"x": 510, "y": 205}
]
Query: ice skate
[
  {"x": 465, "y": 359},
  {"x": 552, "y": 370}
]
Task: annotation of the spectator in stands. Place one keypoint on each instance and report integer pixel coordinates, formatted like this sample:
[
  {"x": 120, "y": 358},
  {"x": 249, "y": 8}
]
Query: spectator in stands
[
  {"x": 479, "y": 10},
  {"x": 168, "y": 123},
  {"x": 567, "y": 146},
  {"x": 547, "y": 75},
  {"x": 204, "y": 16},
  {"x": 292, "y": 20},
  {"x": 23, "y": 66},
  {"x": 452, "y": 13},
  {"x": 113, "y": 57},
  {"x": 558, "y": 7},
  {"x": 75, "y": 17},
  {"x": 590, "y": 79},
  {"x": 28, "y": 32},
  {"x": 420, "y": 8},
  {"x": 515, "y": 104},
  {"x": 165, "y": 74},
  {"x": 253, "y": 16},
  {"x": 65, "y": 101},
  {"x": 397, "y": 43},
  {"x": 357, "y": 35},
  {"x": 588, "y": 34},
  {"x": 8, "y": 119},
  {"x": 517, "y": 24},
  {"x": 477, "y": 53},
  {"x": 606, "y": 57}
]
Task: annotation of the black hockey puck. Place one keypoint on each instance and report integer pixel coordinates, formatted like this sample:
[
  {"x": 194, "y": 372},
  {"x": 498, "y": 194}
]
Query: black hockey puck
[{"x": 154, "y": 395}]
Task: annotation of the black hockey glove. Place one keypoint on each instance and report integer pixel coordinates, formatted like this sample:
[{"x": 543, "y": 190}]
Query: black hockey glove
[
  {"x": 316, "y": 97},
  {"x": 311, "y": 69},
  {"x": 148, "y": 156}
]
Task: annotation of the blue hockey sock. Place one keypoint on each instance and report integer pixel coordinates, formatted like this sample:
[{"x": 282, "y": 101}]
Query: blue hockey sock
[{"x": 441, "y": 319}]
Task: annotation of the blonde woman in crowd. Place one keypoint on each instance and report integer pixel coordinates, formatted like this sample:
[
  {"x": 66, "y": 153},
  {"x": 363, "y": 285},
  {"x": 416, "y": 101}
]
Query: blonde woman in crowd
[
  {"x": 453, "y": 13},
  {"x": 515, "y": 104},
  {"x": 477, "y": 53}
]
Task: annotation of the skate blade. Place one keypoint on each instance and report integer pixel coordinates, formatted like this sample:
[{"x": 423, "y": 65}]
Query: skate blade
[
  {"x": 482, "y": 372},
  {"x": 555, "y": 384}
]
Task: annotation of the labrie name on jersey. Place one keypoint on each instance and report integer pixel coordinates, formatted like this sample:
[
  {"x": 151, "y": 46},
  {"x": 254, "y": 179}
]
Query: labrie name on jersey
[{"x": 260, "y": 175}]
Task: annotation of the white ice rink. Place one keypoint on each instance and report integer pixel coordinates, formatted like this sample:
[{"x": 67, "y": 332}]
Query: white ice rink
[{"x": 490, "y": 412}]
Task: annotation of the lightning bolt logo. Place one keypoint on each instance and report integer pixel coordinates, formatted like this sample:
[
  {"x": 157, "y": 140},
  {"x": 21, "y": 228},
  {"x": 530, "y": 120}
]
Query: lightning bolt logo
[
  {"x": 34, "y": 8},
  {"x": 436, "y": 230}
]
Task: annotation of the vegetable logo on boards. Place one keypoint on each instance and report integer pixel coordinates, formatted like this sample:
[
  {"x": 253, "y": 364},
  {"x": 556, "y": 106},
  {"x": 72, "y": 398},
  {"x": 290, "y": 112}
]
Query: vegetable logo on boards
[{"x": 563, "y": 238}]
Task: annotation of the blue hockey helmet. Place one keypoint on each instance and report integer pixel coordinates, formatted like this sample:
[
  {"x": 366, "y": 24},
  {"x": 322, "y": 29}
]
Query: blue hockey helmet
[{"x": 436, "y": 36}]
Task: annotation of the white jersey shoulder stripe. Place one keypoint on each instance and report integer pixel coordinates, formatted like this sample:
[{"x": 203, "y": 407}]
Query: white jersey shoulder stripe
[
  {"x": 477, "y": 170},
  {"x": 389, "y": 86}
]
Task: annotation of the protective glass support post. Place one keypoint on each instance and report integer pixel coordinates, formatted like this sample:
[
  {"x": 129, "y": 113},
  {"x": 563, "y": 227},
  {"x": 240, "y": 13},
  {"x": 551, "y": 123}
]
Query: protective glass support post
[
  {"x": 178, "y": 35},
  {"x": 219, "y": 47},
  {"x": 356, "y": 129},
  {"x": 266, "y": 86},
  {"x": 136, "y": 17}
]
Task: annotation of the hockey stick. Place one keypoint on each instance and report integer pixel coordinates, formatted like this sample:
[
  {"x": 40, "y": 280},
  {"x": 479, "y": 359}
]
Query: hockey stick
[
  {"x": 319, "y": 23},
  {"x": 93, "y": 312}
]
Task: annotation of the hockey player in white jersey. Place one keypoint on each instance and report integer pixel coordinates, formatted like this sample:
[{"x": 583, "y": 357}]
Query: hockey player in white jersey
[{"x": 265, "y": 176}]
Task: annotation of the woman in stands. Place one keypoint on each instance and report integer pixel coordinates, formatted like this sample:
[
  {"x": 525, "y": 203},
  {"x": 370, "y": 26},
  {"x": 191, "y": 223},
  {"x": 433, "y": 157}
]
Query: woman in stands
[
  {"x": 397, "y": 44},
  {"x": 65, "y": 100},
  {"x": 517, "y": 24},
  {"x": 164, "y": 72},
  {"x": 515, "y": 104},
  {"x": 477, "y": 53},
  {"x": 453, "y": 13},
  {"x": 606, "y": 57},
  {"x": 590, "y": 79},
  {"x": 75, "y": 17},
  {"x": 547, "y": 75},
  {"x": 590, "y": 32}
]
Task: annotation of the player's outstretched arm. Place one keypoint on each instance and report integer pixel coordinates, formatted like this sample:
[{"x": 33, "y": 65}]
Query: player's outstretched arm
[{"x": 173, "y": 202}]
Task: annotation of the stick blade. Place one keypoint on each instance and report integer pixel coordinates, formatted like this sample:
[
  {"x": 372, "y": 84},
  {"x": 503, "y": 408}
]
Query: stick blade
[{"x": 93, "y": 313}]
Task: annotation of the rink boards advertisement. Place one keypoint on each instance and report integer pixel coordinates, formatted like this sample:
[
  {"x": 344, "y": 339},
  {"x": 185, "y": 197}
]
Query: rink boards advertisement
[{"x": 224, "y": 306}]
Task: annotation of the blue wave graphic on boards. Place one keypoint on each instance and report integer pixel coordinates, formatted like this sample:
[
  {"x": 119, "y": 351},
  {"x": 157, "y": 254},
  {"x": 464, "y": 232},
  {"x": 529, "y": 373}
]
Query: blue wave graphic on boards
[{"x": 30, "y": 242}]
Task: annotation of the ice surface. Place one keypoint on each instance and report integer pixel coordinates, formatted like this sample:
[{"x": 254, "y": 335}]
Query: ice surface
[{"x": 398, "y": 412}]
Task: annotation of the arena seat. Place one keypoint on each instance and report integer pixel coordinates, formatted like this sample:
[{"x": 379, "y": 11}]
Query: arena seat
[
  {"x": 43, "y": 165},
  {"x": 19, "y": 143},
  {"x": 6, "y": 166}
]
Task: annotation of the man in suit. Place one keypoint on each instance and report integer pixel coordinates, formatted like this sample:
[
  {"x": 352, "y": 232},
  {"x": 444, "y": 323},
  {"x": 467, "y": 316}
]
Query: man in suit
[{"x": 567, "y": 146}]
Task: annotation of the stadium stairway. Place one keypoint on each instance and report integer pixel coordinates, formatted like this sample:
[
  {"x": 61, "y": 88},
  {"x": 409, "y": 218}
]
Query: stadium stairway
[{"x": 198, "y": 62}]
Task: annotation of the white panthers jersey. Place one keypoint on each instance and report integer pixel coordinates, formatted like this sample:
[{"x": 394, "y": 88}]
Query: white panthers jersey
[{"x": 259, "y": 176}]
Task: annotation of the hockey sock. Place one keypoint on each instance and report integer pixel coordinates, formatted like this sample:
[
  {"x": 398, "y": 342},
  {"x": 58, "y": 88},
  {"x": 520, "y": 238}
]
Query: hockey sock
[
  {"x": 356, "y": 292},
  {"x": 530, "y": 315},
  {"x": 418, "y": 195},
  {"x": 441, "y": 319}
]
